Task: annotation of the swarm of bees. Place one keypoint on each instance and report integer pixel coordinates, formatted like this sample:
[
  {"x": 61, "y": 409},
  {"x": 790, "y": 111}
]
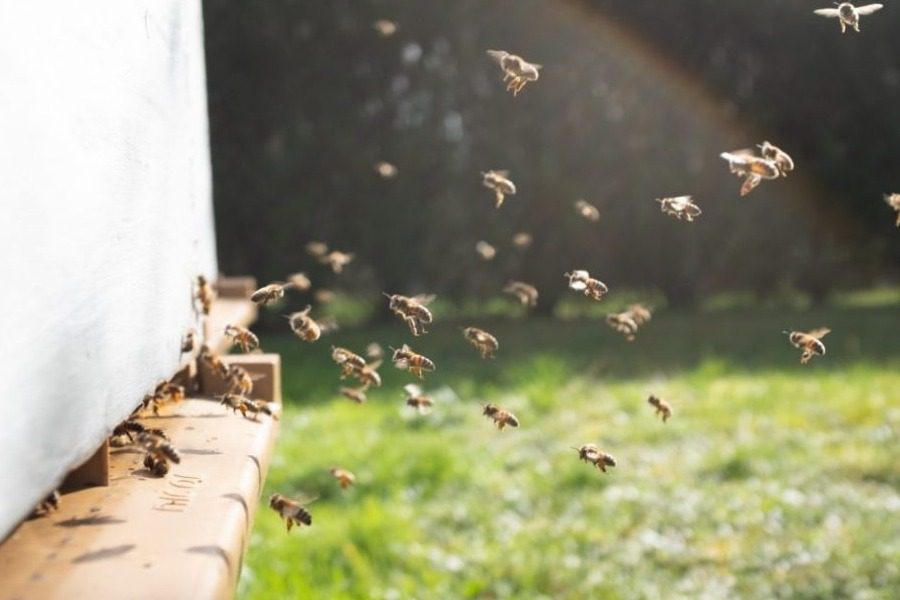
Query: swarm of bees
[
  {"x": 591, "y": 453},
  {"x": 680, "y": 207},
  {"x": 499, "y": 416},
  {"x": 526, "y": 293},
  {"x": 587, "y": 210},
  {"x": 516, "y": 70},
  {"x": 661, "y": 407},
  {"x": 486, "y": 343},
  {"x": 500, "y": 183},
  {"x": 581, "y": 281},
  {"x": 848, "y": 15},
  {"x": 810, "y": 342},
  {"x": 773, "y": 163}
]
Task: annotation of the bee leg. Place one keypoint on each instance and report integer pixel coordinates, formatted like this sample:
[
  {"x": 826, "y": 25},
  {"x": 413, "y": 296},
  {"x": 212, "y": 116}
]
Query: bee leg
[
  {"x": 499, "y": 195},
  {"x": 290, "y": 523}
]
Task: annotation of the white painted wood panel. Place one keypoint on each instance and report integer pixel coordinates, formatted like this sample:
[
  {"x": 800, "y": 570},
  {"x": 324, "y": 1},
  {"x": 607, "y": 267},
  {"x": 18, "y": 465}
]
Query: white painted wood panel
[{"x": 105, "y": 217}]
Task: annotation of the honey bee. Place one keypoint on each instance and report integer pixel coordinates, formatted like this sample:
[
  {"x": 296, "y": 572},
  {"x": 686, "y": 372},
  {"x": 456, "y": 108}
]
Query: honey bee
[
  {"x": 848, "y": 14},
  {"x": 416, "y": 399},
  {"x": 374, "y": 351},
  {"x": 680, "y": 207},
  {"x": 386, "y": 169},
  {"x": 270, "y": 293},
  {"x": 188, "y": 341},
  {"x": 590, "y": 453},
  {"x": 810, "y": 342},
  {"x": 385, "y": 27},
  {"x": 500, "y": 417},
  {"x": 316, "y": 249},
  {"x": 246, "y": 406},
  {"x": 303, "y": 326},
  {"x": 337, "y": 260},
  {"x": 485, "y": 250},
  {"x": 204, "y": 294},
  {"x": 47, "y": 505},
  {"x": 663, "y": 408},
  {"x": 240, "y": 380},
  {"x": 782, "y": 159},
  {"x": 893, "y": 200},
  {"x": 412, "y": 310},
  {"x": 368, "y": 375},
  {"x": 516, "y": 70},
  {"x": 159, "y": 453},
  {"x": 345, "y": 478},
  {"x": 623, "y": 323},
  {"x": 639, "y": 313},
  {"x": 165, "y": 392},
  {"x": 587, "y": 210},
  {"x": 753, "y": 168},
  {"x": 484, "y": 341},
  {"x": 299, "y": 281},
  {"x": 347, "y": 360},
  {"x": 499, "y": 182},
  {"x": 213, "y": 362},
  {"x": 522, "y": 240},
  {"x": 124, "y": 433},
  {"x": 581, "y": 281},
  {"x": 291, "y": 511},
  {"x": 358, "y": 395},
  {"x": 405, "y": 359},
  {"x": 526, "y": 293},
  {"x": 243, "y": 337}
]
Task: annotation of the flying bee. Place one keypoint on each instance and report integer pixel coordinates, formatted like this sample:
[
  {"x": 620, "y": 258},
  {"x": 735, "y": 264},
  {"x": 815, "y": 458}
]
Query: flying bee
[
  {"x": 291, "y": 511},
  {"x": 213, "y": 362},
  {"x": 782, "y": 159},
  {"x": 810, "y": 342},
  {"x": 416, "y": 399},
  {"x": 159, "y": 453},
  {"x": 412, "y": 310},
  {"x": 405, "y": 359},
  {"x": 324, "y": 296},
  {"x": 303, "y": 326},
  {"x": 47, "y": 505},
  {"x": 623, "y": 323},
  {"x": 848, "y": 14},
  {"x": 345, "y": 478},
  {"x": 240, "y": 381},
  {"x": 581, "y": 281},
  {"x": 752, "y": 168},
  {"x": 337, "y": 260},
  {"x": 526, "y": 293},
  {"x": 270, "y": 293},
  {"x": 499, "y": 182},
  {"x": 590, "y": 453},
  {"x": 500, "y": 417},
  {"x": 522, "y": 240},
  {"x": 587, "y": 210},
  {"x": 358, "y": 395},
  {"x": 516, "y": 71},
  {"x": 368, "y": 375},
  {"x": 243, "y": 337},
  {"x": 680, "y": 207},
  {"x": 663, "y": 408},
  {"x": 299, "y": 281},
  {"x": 386, "y": 169},
  {"x": 481, "y": 339},
  {"x": 347, "y": 360},
  {"x": 639, "y": 313},
  {"x": 893, "y": 200},
  {"x": 316, "y": 249},
  {"x": 374, "y": 351},
  {"x": 188, "y": 341},
  {"x": 204, "y": 295},
  {"x": 485, "y": 250},
  {"x": 385, "y": 27}
]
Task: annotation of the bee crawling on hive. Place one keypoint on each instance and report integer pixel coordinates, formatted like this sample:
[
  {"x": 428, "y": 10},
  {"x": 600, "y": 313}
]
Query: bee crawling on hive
[
  {"x": 246, "y": 406},
  {"x": 204, "y": 294},
  {"x": 662, "y": 408},
  {"x": 500, "y": 182},
  {"x": 893, "y": 200},
  {"x": 304, "y": 326},
  {"x": 415, "y": 398},
  {"x": 160, "y": 452},
  {"x": 188, "y": 341},
  {"x": 500, "y": 417},
  {"x": 486, "y": 343},
  {"x": 810, "y": 342},
  {"x": 242, "y": 337},
  {"x": 345, "y": 478},
  {"x": 405, "y": 359},
  {"x": 526, "y": 293},
  {"x": 581, "y": 281},
  {"x": 292, "y": 511},
  {"x": 166, "y": 392},
  {"x": 124, "y": 433},
  {"x": 848, "y": 14},
  {"x": 47, "y": 505},
  {"x": 516, "y": 71},
  {"x": 587, "y": 210},
  {"x": 412, "y": 309},
  {"x": 592, "y": 454},
  {"x": 680, "y": 207}
]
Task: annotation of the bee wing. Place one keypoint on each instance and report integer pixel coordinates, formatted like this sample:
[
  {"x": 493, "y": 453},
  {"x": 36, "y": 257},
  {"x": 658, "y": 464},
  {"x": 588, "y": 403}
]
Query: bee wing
[
  {"x": 501, "y": 172},
  {"x": 868, "y": 9},
  {"x": 819, "y": 333},
  {"x": 425, "y": 299},
  {"x": 401, "y": 363},
  {"x": 375, "y": 365},
  {"x": 305, "y": 499},
  {"x": 412, "y": 390},
  {"x": 831, "y": 12},
  {"x": 498, "y": 55},
  {"x": 577, "y": 285}
]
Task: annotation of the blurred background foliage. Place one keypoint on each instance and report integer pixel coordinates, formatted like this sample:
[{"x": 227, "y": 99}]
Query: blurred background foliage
[{"x": 635, "y": 101}]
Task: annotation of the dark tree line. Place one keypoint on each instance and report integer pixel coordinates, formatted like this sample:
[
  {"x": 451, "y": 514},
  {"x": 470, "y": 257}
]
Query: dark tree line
[{"x": 635, "y": 101}]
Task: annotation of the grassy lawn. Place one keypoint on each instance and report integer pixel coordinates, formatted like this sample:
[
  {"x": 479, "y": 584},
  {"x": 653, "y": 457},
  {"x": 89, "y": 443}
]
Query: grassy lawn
[{"x": 772, "y": 479}]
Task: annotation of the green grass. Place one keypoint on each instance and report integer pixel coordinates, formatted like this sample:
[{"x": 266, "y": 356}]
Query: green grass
[{"x": 772, "y": 479}]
